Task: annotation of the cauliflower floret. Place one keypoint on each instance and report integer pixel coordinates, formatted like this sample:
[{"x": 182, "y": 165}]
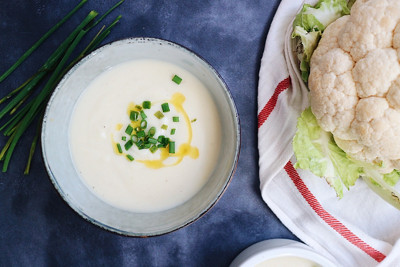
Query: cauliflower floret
[
  {"x": 375, "y": 73},
  {"x": 370, "y": 26},
  {"x": 355, "y": 82}
]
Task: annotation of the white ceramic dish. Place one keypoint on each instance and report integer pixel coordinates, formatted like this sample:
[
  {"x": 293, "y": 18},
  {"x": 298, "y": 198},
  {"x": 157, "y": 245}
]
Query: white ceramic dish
[
  {"x": 274, "y": 248},
  {"x": 55, "y": 139}
]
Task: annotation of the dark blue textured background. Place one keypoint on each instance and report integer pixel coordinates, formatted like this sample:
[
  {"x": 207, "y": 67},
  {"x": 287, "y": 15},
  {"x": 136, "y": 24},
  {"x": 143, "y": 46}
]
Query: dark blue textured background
[{"x": 37, "y": 228}]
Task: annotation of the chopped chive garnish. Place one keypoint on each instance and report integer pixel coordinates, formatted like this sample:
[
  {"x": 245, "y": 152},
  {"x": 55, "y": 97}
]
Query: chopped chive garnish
[
  {"x": 134, "y": 115},
  {"x": 177, "y": 79},
  {"x": 130, "y": 157},
  {"x": 173, "y": 131},
  {"x": 160, "y": 145},
  {"x": 123, "y": 138},
  {"x": 166, "y": 142},
  {"x": 152, "y": 131},
  {"x": 165, "y": 107},
  {"x": 119, "y": 148},
  {"x": 171, "y": 147},
  {"x": 128, "y": 145},
  {"x": 143, "y": 124},
  {"x": 161, "y": 138},
  {"x": 134, "y": 138},
  {"x": 146, "y": 104},
  {"x": 159, "y": 115},
  {"x": 138, "y": 107},
  {"x": 175, "y": 119},
  {"x": 143, "y": 115},
  {"x": 147, "y": 145},
  {"x": 194, "y": 120},
  {"x": 152, "y": 140},
  {"x": 164, "y": 127},
  {"x": 129, "y": 130},
  {"x": 139, "y": 143},
  {"x": 153, "y": 149},
  {"x": 140, "y": 134}
]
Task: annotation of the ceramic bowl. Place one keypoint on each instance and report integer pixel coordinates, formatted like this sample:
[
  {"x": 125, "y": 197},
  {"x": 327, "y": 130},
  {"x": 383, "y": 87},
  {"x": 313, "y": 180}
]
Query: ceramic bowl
[
  {"x": 59, "y": 163},
  {"x": 265, "y": 252}
]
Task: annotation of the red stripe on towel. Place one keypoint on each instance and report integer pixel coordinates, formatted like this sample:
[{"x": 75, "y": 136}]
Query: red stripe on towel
[
  {"x": 269, "y": 107},
  {"x": 328, "y": 218}
]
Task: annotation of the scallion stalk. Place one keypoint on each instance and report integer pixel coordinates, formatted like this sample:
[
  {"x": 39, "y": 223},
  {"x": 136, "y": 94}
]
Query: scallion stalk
[
  {"x": 54, "y": 66},
  {"x": 27, "y": 120},
  {"x": 40, "y": 41}
]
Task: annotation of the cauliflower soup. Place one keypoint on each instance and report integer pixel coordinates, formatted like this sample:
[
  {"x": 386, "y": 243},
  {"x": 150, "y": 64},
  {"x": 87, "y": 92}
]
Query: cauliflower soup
[{"x": 145, "y": 136}]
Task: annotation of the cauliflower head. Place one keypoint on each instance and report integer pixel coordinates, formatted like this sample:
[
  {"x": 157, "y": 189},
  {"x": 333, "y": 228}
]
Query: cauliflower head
[{"x": 355, "y": 82}]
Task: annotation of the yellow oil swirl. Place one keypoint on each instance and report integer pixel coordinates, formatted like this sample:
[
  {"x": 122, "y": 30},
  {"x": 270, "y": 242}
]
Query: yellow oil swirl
[{"x": 185, "y": 149}]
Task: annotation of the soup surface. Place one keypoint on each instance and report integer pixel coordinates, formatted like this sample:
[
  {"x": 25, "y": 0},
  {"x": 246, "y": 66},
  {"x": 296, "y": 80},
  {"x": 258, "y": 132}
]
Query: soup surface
[
  {"x": 145, "y": 179},
  {"x": 288, "y": 261}
]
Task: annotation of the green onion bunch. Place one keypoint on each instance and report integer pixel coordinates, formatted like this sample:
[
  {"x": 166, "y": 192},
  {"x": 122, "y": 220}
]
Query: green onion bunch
[{"x": 26, "y": 104}]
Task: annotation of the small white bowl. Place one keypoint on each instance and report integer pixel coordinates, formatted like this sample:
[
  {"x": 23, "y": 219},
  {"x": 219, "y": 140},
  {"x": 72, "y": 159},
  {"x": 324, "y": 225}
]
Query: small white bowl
[
  {"x": 59, "y": 163},
  {"x": 259, "y": 253}
]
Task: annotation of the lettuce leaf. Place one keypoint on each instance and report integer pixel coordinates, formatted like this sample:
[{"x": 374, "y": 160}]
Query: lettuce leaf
[
  {"x": 309, "y": 25},
  {"x": 309, "y": 42},
  {"x": 316, "y": 150},
  {"x": 383, "y": 184}
]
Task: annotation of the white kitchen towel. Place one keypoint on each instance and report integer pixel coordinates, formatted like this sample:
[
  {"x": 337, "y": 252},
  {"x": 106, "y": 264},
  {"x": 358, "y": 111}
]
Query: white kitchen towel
[{"x": 360, "y": 229}]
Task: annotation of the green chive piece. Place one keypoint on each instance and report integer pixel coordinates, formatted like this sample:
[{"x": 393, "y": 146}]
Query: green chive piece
[
  {"x": 175, "y": 119},
  {"x": 166, "y": 142},
  {"x": 140, "y": 134},
  {"x": 119, "y": 148},
  {"x": 141, "y": 147},
  {"x": 164, "y": 127},
  {"x": 171, "y": 147},
  {"x": 143, "y": 115},
  {"x": 134, "y": 138},
  {"x": 146, "y": 104},
  {"x": 153, "y": 149},
  {"x": 161, "y": 138},
  {"x": 129, "y": 130},
  {"x": 147, "y": 145},
  {"x": 134, "y": 115},
  {"x": 123, "y": 138},
  {"x": 152, "y": 131},
  {"x": 173, "y": 131},
  {"x": 143, "y": 124},
  {"x": 165, "y": 107},
  {"x": 130, "y": 157},
  {"x": 139, "y": 143},
  {"x": 138, "y": 107},
  {"x": 194, "y": 120},
  {"x": 177, "y": 79},
  {"x": 40, "y": 41},
  {"x": 128, "y": 145},
  {"x": 160, "y": 145},
  {"x": 159, "y": 115},
  {"x": 152, "y": 140}
]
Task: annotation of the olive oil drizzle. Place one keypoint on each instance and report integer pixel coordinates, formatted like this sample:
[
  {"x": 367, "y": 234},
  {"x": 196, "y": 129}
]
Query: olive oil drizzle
[{"x": 185, "y": 149}]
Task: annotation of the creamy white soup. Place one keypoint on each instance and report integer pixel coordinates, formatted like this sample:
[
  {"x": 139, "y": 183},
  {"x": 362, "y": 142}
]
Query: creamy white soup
[
  {"x": 124, "y": 162},
  {"x": 288, "y": 261}
]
